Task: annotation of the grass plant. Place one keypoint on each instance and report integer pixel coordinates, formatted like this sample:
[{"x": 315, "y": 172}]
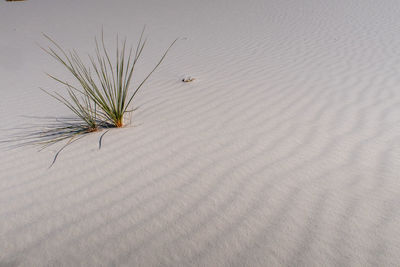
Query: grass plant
[
  {"x": 100, "y": 99},
  {"x": 104, "y": 91}
]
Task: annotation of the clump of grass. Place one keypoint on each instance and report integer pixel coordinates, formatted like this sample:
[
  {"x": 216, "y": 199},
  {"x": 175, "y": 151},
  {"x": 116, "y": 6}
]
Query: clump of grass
[
  {"x": 104, "y": 93},
  {"x": 100, "y": 97}
]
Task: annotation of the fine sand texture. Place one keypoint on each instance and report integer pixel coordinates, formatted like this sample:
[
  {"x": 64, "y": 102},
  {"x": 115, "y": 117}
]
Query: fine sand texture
[{"x": 284, "y": 150}]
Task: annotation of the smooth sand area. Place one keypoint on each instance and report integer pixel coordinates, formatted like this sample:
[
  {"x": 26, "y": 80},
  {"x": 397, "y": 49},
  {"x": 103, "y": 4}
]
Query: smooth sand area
[{"x": 285, "y": 150}]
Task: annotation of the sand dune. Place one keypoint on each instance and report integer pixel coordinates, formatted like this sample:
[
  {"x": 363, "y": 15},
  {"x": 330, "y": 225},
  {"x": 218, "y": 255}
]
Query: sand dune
[{"x": 285, "y": 150}]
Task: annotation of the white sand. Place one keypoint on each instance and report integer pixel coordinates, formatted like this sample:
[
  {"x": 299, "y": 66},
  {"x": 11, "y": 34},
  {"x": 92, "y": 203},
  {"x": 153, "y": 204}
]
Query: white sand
[{"x": 284, "y": 152}]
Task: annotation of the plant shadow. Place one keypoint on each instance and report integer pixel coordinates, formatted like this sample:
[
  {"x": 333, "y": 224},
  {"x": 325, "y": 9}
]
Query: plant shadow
[{"x": 51, "y": 131}]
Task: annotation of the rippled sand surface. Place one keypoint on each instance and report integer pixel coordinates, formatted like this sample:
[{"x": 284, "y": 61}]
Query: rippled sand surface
[{"x": 285, "y": 150}]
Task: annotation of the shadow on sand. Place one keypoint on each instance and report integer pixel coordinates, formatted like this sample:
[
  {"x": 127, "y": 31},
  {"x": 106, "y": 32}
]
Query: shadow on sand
[{"x": 51, "y": 131}]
